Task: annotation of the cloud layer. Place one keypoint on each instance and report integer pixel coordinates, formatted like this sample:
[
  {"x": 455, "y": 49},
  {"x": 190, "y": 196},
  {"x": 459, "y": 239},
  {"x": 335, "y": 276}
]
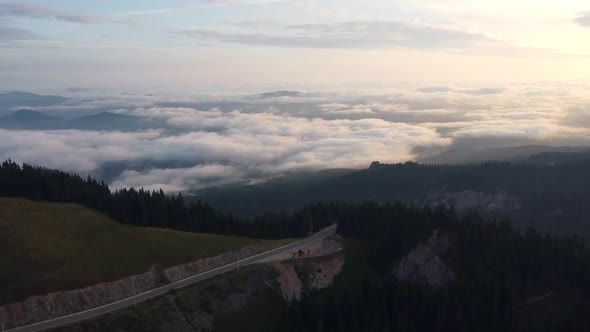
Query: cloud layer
[
  {"x": 357, "y": 34},
  {"x": 29, "y": 10},
  {"x": 205, "y": 143},
  {"x": 583, "y": 19}
]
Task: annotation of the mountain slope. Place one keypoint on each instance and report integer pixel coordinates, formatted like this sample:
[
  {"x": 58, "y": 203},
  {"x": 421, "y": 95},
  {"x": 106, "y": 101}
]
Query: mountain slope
[
  {"x": 499, "y": 280},
  {"x": 24, "y": 99},
  {"x": 64, "y": 246},
  {"x": 550, "y": 197},
  {"x": 467, "y": 156},
  {"x": 30, "y": 116},
  {"x": 27, "y": 119}
]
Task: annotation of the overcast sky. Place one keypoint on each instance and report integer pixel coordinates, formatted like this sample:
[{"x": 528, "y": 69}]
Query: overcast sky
[{"x": 231, "y": 44}]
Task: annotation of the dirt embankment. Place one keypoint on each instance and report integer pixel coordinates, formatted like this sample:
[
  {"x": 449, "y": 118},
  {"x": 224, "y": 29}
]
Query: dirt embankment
[
  {"x": 44, "y": 307},
  {"x": 242, "y": 300},
  {"x": 298, "y": 275}
]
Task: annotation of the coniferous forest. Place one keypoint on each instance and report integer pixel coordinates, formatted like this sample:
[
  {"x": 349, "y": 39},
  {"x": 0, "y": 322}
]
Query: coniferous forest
[
  {"x": 550, "y": 196},
  {"x": 504, "y": 280},
  {"x": 144, "y": 208}
]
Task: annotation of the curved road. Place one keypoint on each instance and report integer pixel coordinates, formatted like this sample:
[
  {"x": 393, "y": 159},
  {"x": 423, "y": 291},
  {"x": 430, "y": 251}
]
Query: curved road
[{"x": 98, "y": 311}]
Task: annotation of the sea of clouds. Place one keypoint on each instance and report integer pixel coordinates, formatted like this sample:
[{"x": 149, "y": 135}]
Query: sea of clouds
[{"x": 203, "y": 141}]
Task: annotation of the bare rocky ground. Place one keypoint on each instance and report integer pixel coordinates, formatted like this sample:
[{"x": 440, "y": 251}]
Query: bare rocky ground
[{"x": 296, "y": 276}]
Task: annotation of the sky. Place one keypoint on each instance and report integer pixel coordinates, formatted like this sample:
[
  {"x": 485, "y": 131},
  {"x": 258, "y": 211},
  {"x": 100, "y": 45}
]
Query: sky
[
  {"x": 386, "y": 80},
  {"x": 216, "y": 45}
]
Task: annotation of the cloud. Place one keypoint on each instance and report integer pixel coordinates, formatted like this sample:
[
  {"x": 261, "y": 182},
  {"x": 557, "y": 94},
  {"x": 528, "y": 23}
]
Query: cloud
[
  {"x": 371, "y": 34},
  {"x": 578, "y": 117},
  {"x": 243, "y": 139},
  {"x": 72, "y": 150},
  {"x": 244, "y": 2},
  {"x": 252, "y": 146},
  {"x": 354, "y": 34},
  {"x": 478, "y": 91},
  {"x": 152, "y": 11},
  {"x": 180, "y": 179},
  {"x": 583, "y": 19},
  {"x": 8, "y": 34},
  {"x": 29, "y": 10}
]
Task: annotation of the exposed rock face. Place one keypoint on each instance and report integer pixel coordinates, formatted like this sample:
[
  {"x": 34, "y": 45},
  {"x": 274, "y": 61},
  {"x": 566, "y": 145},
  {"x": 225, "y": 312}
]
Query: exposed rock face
[
  {"x": 291, "y": 285},
  {"x": 323, "y": 273},
  {"x": 488, "y": 204},
  {"x": 298, "y": 275},
  {"x": 183, "y": 271},
  {"x": 423, "y": 264},
  {"x": 40, "y": 308}
]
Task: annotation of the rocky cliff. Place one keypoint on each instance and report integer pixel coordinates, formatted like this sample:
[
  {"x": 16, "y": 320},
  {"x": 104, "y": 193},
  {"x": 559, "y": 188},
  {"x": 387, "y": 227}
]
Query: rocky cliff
[
  {"x": 424, "y": 265},
  {"x": 497, "y": 204},
  {"x": 298, "y": 275}
]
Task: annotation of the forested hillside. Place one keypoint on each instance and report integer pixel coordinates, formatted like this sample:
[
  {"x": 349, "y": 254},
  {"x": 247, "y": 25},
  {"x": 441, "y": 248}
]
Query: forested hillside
[
  {"x": 408, "y": 267},
  {"x": 503, "y": 280},
  {"x": 550, "y": 197},
  {"x": 139, "y": 207}
]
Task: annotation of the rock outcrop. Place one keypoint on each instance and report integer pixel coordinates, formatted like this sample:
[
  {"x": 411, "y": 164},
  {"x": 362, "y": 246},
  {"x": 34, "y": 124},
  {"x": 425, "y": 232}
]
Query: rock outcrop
[
  {"x": 44, "y": 307},
  {"x": 186, "y": 270},
  {"x": 298, "y": 275},
  {"x": 424, "y": 265},
  {"x": 487, "y": 204}
]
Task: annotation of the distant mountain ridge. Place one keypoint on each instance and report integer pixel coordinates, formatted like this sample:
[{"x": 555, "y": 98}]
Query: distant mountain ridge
[
  {"x": 518, "y": 153},
  {"x": 282, "y": 93},
  {"x": 27, "y": 119},
  {"x": 10, "y": 100},
  {"x": 30, "y": 116}
]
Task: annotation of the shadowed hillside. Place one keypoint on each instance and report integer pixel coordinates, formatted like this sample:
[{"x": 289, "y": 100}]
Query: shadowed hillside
[
  {"x": 551, "y": 197},
  {"x": 48, "y": 247}
]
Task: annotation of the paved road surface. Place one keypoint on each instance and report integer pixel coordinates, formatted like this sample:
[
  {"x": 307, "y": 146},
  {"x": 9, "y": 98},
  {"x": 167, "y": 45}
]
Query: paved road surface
[{"x": 95, "y": 312}]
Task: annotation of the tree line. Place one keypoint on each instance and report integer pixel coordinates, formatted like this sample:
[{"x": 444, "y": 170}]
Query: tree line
[
  {"x": 553, "y": 197},
  {"x": 146, "y": 208}
]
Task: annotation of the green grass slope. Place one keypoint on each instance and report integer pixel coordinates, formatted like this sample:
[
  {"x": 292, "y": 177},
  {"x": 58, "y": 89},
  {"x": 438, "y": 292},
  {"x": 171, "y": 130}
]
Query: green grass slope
[{"x": 46, "y": 247}]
